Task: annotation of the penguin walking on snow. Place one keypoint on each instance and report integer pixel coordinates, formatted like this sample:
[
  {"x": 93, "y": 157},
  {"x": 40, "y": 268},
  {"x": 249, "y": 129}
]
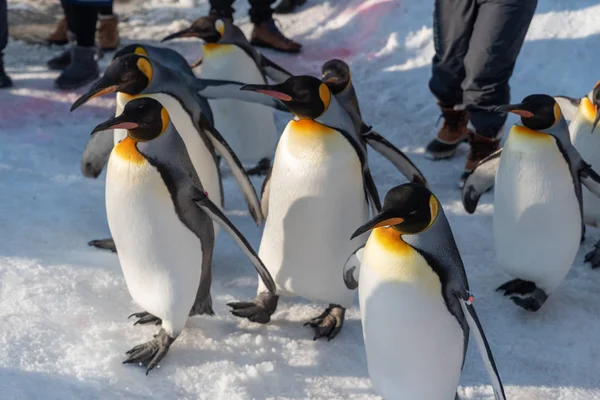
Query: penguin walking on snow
[
  {"x": 318, "y": 191},
  {"x": 98, "y": 149},
  {"x": 416, "y": 309},
  {"x": 227, "y": 55},
  {"x": 162, "y": 223},
  {"x": 537, "y": 202},
  {"x": 338, "y": 78}
]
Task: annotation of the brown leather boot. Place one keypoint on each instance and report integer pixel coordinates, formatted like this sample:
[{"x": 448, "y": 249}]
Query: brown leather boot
[
  {"x": 267, "y": 35},
  {"x": 108, "y": 32},
  {"x": 481, "y": 147},
  {"x": 59, "y": 36},
  {"x": 453, "y": 132}
]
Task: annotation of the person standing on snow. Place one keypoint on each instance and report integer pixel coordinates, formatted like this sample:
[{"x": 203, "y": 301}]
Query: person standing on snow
[
  {"x": 5, "y": 80},
  {"x": 82, "y": 68},
  {"x": 476, "y": 46},
  {"x": 265, "y": 32}
]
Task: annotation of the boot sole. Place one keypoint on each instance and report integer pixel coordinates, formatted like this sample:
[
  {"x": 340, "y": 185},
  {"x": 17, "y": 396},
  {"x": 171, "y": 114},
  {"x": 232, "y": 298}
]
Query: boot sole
[{"x": 78, "y": 84}]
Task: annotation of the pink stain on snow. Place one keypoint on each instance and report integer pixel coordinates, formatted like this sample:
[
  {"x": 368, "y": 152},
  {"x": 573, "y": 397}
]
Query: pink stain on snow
[{"x": 365, "y": 17}]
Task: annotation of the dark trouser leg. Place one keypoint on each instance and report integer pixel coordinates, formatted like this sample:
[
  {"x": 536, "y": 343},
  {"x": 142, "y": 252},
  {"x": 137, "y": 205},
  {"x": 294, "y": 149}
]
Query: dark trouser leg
[
  {"x": 82, "y": 21},
  {"x": 106, "y": 10},
  {"x": 222, "y": 8},
  {"x": 452, "y": 27},
  {"x": 260, "y": 11},
  {"x": 3, "y": 27},
  {"x": 497, "y": 38}
]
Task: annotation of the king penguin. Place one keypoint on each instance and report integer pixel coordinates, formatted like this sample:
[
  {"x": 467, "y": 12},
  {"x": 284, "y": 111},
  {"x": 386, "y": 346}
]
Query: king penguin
[
  {"x": 98, "y": 149},
  {"x": 585, "y": 117},
  {"x": 161, "y": 221},
  {"x": 227, "y": 55},
  {"x": 135, "y": 75},
  {"x": 537, "y": 216},
  {"x": 416, "y": 309},
  {"x": 318, "y": 191},
  {"x": 337, "y": 76}
]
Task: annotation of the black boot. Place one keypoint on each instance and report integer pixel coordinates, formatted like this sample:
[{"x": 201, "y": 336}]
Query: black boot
[
  {"x": 61, "y": 61},
  {"x": 83, "y": 69},
  {"x": 5, "y": 81}
]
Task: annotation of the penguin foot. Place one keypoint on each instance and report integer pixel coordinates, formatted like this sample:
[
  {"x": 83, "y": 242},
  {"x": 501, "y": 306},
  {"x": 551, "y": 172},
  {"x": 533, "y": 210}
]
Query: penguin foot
[
  {"x": 532, "y": 303},
  {"x": 593, "y": 257},
  {"x": 259, "y": 310},
  {"x": 517, "y": 286},
  {"x": 152, "y": 352},
  {"x": 262, "y": 168},
  {"x": 145, "y": 318},
  {"x": 104, "y": 244},
  {"x": 329, "y": 323}
]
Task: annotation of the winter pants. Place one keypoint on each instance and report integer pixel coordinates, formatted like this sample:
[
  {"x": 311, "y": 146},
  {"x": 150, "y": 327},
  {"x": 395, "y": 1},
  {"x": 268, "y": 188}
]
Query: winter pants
[
  {"x": 3, "y": 29},
  {"x": 476, "y": 46},
  {"x": 81, "y": 20},
  {"x": 260, "y": 10}
]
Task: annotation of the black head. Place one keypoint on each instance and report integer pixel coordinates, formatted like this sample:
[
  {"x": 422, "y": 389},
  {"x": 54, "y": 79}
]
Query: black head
[
  {"x": 410, "y": 209},
  {"x": 209, "y": 28},
  {"x": 130, "y": 74},
  {"x": 144, "y": 118},
  {"x": 305, "y": 96},
  {"x": 336, "y": 75},
  {"x": 537, "y": 111}
]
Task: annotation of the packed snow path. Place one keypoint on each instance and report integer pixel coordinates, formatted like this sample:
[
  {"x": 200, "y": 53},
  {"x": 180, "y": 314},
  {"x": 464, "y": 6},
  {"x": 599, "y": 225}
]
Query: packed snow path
[{"x": 64, "y": 306}]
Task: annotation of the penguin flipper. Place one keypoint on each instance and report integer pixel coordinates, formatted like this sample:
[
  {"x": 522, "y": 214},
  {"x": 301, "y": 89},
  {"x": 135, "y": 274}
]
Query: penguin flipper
[
  {"x": 264, "y": 194},
  {"x": 96, "y": 154},
  {"x": 221, "y": 89},
  {"x": 237, "y": 169},
  {"x": 484, "y": 348},
  {"x": 217, "y": 215},
  {"x": 371, "y": 190},
  {"x": 568, "y": 106},
  {"x": 480, "y": 181},
  {"x": 274, "y": 71},
  {"x": 590, "y": 178},
  {"x": 395, "y": 156},
  {"x": 352, "y": 268}
]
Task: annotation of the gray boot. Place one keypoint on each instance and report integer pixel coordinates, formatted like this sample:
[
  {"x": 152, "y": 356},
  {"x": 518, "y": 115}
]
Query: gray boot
[{"x": 82, "y": 70}]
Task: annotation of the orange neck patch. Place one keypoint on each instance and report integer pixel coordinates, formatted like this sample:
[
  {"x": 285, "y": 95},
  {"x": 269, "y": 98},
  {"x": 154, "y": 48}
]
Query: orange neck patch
[
  {"x": 309, "y": 127},
  {"x": 524, "y": 131},
  {"x": 588, "y": 111},
  {"x": 127, "y": 150},
  {"x": 391, "y": 240}
]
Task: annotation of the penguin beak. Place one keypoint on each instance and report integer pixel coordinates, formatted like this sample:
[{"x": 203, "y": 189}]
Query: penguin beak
[
  {"x": 270, "y": 90},
  {"x": 97, "y": 90},
  {"x": 119, "y": 122},
  {"x": 330, "y": 77},
  {"x": 518, "y": 109},
  {"x": 188, "y": 32},
  {"x": 383, "y": 219}
]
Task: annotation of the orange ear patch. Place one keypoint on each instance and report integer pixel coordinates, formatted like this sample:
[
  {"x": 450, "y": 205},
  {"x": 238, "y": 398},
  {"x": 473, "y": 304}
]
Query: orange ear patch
[
  {"x": 144, "y": 66},
  {"x": 325, "y": 94},
  {"x": 140, "y": 50},
  {"x": 164, "y": 116}
]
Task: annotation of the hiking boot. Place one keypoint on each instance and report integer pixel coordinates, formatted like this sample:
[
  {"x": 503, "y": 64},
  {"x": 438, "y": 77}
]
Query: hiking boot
[
  {"x": 83, "y": 69},
  {"x": 5, "y": 81},
  {"x": 61, "y": 61},
  {"x": 108, "y": 32},
  {"x": 267, "y": 35},
  {"x": 481, "y": 147},
  {"x": 59, "y": 36},
  {"x": 453, "y": 132},
  {"x": 287, "y": 6}
]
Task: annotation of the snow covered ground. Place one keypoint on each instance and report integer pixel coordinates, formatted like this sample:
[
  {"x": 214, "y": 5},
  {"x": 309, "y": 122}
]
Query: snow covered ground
[{"x": 64, "y": 306}]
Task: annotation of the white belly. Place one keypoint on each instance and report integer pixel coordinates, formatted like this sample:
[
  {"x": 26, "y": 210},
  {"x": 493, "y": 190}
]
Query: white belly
[
  {"x": 414, "y": 346},
  {"x": 161, "y": 259},
  {"x": 587, "y": 144},
  {"x": 316, "y": 202},
  {"x": 248, "y": 128},
  {"x": 200, "y": 155},
  {"x": 537, "y": 222}
]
